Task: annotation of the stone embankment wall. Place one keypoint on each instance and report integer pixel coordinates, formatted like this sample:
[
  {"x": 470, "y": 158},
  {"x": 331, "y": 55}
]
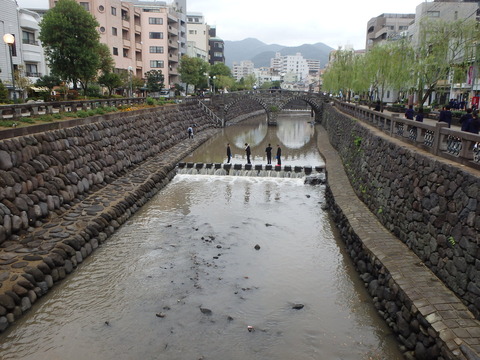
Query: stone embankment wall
[
  {"x": 63, "y": 192},
  {"x": 431, "y": 205}
]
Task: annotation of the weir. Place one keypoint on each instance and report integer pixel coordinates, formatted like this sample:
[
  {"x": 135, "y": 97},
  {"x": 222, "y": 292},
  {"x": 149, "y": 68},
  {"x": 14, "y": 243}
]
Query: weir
[{"x": 286, "y": 171}]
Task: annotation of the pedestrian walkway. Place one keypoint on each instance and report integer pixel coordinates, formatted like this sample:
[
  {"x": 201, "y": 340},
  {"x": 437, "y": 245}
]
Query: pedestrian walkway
[{"x": 449, "y": 318}]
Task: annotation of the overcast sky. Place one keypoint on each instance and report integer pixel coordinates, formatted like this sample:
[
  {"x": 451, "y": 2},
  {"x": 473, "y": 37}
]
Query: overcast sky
[{"x": 289, "y": 23}]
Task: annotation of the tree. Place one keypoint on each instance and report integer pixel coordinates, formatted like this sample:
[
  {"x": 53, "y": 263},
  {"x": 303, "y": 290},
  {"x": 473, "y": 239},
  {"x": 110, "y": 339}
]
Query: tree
[
  {"x": 442, "y": 48},
  {"x": 71, "y": 42},
  {"x": 48, "y": 81},
  {"x": 22, "y": 83},
  {"x": 106, "y": 59},
  {"x": 193, "y": 70},
  {"x": 111, "y": 81},
  {"x": 3, "y": 92},
  {"x": 220, "y": 69},
  {"x": 155, "y": 80}
]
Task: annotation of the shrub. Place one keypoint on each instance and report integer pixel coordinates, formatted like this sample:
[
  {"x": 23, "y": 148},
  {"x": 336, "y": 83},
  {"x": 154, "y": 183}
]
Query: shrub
[
  {"x": 150, "y": 101},
  {"x": 81, "y": 114}
]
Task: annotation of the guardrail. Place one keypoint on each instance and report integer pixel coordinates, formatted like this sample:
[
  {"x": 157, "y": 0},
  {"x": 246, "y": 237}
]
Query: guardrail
[
  {"x": 459, "y": 146},
  {"x": 14, "y": 111}
]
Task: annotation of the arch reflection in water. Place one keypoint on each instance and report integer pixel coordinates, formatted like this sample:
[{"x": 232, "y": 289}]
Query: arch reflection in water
[{"x": 294, "y": 133}]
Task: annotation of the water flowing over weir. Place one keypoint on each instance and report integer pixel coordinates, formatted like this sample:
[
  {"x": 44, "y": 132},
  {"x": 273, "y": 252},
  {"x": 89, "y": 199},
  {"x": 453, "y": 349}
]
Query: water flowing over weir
[{"x": 207, "y": 257}]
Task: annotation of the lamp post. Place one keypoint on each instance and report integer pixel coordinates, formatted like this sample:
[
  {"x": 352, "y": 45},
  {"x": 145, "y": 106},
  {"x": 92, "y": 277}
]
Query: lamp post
[
  {"x": 213, "y": 83},
  {"x": 9, "y": 39},
  {"x": 130, "y": 78}
]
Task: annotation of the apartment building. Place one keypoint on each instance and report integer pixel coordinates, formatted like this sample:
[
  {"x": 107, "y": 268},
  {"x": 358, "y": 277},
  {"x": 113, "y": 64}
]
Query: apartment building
[
  {"x": 291, "y": 66},
  {"x": 216, "y": 46},
  {"x": 142, "y": 35},
  {"x": 242, "y": 69},
  {"x": 387, "y": 27},
  {"x": 27, "y": 53}
]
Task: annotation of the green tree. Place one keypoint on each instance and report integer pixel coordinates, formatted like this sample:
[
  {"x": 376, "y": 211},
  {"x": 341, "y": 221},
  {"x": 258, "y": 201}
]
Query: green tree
[
  {"x": 3, "y": 92},
  {"x": 48, "y": 81},
  {"x": 111, "y": 81},
  {"x": 106, "y": 59},
  {"x": 193, "y": 70},
  {"x": 71, "y": 42},
  {"x": 155, "y": 80},
  {"x": 442, "y": 47},
  {"x": 220, "y": 69}
]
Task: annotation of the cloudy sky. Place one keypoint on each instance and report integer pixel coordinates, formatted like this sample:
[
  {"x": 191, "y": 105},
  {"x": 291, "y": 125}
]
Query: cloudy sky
[{"x": 289, "y": 23}]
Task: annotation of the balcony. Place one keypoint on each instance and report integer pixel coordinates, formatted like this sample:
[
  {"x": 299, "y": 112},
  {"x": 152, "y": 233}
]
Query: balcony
[
  {"x": 139, "y": 63},
  {"x": 138, "y": 45},
  {"x": 126, "y": 42},
  {"x": 33, "y": 74}
]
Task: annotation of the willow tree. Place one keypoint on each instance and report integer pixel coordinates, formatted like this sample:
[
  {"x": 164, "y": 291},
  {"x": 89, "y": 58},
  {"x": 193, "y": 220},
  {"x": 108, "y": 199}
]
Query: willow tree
[
  {"x": 388, "y": 67},
  {"x": 441, "y": 48},
  {"x": 70, "y": 39},
  {"x": 339, "y": 76}
]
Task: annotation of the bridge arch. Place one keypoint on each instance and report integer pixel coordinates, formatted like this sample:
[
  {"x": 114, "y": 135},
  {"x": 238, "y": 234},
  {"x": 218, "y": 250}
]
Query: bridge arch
[{"x": 274, "y": 101}]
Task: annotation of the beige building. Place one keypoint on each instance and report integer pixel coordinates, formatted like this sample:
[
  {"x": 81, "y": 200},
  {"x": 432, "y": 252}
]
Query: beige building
[
  {"x": 387, "y": 27},
  {"x": 142, "y": 35}
]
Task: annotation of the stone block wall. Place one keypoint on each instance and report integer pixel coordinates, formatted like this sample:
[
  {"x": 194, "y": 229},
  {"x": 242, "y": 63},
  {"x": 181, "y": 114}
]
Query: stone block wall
[
  {"x": 42, "y": 173},
  {"x": 428, "y": 203}
]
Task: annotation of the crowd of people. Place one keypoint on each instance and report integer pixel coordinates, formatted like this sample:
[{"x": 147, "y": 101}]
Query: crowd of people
[{"x": 469, "y": 121}]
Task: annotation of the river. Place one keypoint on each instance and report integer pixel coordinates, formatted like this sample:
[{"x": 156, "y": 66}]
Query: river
[{"x": 208, "y": 259}]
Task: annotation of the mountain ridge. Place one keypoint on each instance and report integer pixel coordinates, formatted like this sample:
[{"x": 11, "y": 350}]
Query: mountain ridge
[{"x": 260, "y": 53}]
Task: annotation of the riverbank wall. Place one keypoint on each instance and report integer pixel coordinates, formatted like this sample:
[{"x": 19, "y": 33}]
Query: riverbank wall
[
  {"x": 64, "y": 191},
  {"x": 412, "y": 233}
]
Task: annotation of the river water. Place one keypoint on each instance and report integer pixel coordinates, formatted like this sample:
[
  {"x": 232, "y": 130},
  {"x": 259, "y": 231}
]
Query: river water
[{"x": 184, "y": 278}]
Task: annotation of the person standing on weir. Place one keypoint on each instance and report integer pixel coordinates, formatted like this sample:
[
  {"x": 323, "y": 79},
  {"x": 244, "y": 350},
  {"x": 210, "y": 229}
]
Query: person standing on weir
[
  {"x": 248, "y": 152},
  {"x": 268, "y": 150},
  {"x": 229, "y": 153},
  {"x": 279, "y": 155},
  {"x": 190, "y": 132}
]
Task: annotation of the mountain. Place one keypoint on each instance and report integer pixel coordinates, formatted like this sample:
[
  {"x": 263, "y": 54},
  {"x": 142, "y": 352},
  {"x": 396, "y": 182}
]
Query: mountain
[{"x": 260, "y": 53}]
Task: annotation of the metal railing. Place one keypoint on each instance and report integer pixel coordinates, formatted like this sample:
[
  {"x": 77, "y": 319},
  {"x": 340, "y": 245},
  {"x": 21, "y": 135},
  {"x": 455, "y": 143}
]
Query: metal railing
[{"x": 438, "y": 139}]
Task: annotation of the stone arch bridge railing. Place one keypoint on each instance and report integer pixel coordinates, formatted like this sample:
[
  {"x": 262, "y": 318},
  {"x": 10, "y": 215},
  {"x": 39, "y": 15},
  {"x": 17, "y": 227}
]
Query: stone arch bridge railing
[{"x": 272, "y": 101}]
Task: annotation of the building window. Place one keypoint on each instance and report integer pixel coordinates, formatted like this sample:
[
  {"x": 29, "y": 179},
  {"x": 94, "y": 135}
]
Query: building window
[
  {"x": 217, "y": 54},
  {"x": 114, "y": 11},
  {"x": 192, "y": 32},
  {"x": 156, "y": 35},
  {"x": 403, "y": 28},
  {"x": 115, "y": 51},
  {"x": 114, "y": 31},
  {"x": 155, "y": 21},
  {"x": 31, "y": 70},
  {"x": 85, "y": 5},
  {"x": 433, "y": 13},
  {"x": 156, "y": 49},
  {"x": 125, "y": 53},
  {"x": 156, "y": 63},
  {"x": 28, "y": 38}
]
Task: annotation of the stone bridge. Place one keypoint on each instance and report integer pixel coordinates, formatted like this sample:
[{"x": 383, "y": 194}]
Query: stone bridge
[{"x": 272, "y": 101}]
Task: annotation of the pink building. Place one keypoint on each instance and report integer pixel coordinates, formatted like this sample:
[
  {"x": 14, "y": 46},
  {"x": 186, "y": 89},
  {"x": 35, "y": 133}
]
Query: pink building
[{"x": 142, "y": 35}]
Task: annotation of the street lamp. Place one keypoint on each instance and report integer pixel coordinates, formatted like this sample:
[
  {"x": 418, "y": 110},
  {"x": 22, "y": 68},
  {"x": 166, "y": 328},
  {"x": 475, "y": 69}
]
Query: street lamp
[
  {"x": 213, "y": 82},
  {"x": 9, "y": 39},
  {"x": 130, "y": 78}
]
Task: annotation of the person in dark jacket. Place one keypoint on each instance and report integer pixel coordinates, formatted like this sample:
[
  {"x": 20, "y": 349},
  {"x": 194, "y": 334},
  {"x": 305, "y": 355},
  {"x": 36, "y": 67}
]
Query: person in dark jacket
[
  {"x": 279, "y": 155},
  {"x": 465, "y": 120},
  {"x": 409, "y": 113},
  {"x": 474, "y": 125},
  {"x": 229, "y": 153},
  {"x": 446, "y": 115},
  {"x": 268, "y": 150},
  {"x": 248, "y": 152},
  {"x": 419, "y": 116}
]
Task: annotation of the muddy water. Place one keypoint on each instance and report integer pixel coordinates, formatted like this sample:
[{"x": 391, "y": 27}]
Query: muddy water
[{"x": 183, "y": 279}]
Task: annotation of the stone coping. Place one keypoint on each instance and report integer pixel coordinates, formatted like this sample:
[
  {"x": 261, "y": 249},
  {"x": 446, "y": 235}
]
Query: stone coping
[{"x": 452, "y": 322}]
